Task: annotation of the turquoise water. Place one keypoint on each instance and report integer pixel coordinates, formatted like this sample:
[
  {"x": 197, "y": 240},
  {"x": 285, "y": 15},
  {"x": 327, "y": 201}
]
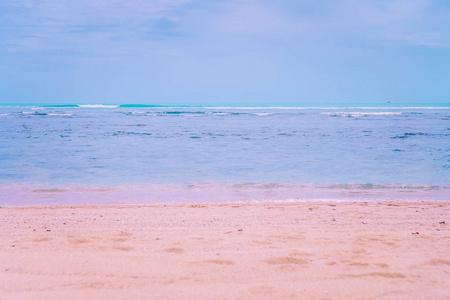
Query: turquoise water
[{"x": 274, "y": 152}]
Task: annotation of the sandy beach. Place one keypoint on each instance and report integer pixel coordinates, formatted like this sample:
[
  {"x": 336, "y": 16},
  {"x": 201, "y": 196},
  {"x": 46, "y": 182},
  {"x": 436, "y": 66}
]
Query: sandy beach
[{"x": 386, "y": 250}]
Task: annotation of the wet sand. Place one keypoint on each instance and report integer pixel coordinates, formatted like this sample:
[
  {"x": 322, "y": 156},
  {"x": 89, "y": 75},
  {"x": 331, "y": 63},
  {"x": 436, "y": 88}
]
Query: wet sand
[{"x": 388, "y": 250}]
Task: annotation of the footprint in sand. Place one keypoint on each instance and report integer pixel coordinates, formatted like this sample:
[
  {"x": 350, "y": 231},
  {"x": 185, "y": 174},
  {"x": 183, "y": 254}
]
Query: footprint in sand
[
  {"x": 173, "y": 250},
  {"x": 378, "y": 274},
  {"x": 216, "y": 261},
  {"x": 286, "y": 261},
  {"x": 439, "y": 262}
]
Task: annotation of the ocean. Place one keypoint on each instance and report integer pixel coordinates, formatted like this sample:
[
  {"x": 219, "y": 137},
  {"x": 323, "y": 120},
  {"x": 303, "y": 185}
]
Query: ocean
[{"x": 84, "y": 154}]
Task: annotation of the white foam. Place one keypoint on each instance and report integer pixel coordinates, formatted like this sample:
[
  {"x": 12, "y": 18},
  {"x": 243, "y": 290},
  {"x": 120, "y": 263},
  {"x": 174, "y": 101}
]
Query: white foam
[
  {"x": 61, "y": 115},
  {"x": 263, "y": 114},
  {"x": 360, "y": 113},
  {"x": 217, "y": 113},
  {"x": 97, "y": 106},
  {"x": 319, "y": 107}
]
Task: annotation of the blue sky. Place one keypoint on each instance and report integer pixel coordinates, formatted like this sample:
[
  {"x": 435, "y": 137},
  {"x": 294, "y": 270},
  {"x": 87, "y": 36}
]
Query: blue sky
[{"x": 248, "y": 51}]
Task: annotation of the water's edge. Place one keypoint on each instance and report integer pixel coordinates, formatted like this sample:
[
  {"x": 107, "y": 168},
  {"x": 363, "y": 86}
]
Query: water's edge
[{"x": 216, "y": 192}]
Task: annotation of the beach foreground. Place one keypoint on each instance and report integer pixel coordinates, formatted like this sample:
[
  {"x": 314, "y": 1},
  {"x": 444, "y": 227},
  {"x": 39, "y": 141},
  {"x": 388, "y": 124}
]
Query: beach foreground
[{"x": 386, "y": 250}]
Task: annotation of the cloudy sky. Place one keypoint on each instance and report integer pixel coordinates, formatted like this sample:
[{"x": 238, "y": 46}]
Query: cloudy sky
[{"x": 219, "y": 51}]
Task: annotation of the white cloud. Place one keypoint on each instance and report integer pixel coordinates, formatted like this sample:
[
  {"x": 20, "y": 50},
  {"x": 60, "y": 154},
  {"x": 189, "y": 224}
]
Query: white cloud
[
  {"x": 177, "y": 27},
  {"x": 376, "y": 22},
  {"x": 86, "y": 26}
]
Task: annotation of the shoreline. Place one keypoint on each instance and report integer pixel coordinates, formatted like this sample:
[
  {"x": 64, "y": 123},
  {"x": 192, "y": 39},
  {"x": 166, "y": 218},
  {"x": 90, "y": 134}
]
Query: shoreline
[
  {"x": 216, "y": 192},
  {"x": 254, "y": 202},
  {"x": 326, "y": 250}
]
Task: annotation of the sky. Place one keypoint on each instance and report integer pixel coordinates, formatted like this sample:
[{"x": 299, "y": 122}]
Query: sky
[{"x": 225, "y": 52}]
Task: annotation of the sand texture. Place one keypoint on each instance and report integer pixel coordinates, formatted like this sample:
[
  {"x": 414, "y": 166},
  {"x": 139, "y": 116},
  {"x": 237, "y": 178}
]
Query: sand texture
[{"x": 394, "y": 250}]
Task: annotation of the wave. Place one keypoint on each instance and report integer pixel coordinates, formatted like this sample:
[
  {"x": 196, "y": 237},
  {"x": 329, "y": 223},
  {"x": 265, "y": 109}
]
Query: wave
[
  {"x": 138, "y": 113},
  {"x": 39, "y": 194},
  {"x": 61, "y": 115},
  {"x": 359, "y": 114},
  {"x": 176, "y": 112},
  {"x": 139, "y": 105},
  {"x": 220, "y": 113},
  {"x": 409, "y": 134},
  {"x": 33, "y": 113},
  {"x": 319, "y": 107},
  {"x": 37, "y": 113},
  {"x": 98, "y": 106},
  {"x": 240, "y": 107},
  {"x": 59, "y": 105}
]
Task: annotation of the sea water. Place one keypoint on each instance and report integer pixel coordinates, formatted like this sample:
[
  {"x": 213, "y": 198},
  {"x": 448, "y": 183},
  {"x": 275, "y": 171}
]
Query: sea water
[{"x": 143, "y": 153}]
